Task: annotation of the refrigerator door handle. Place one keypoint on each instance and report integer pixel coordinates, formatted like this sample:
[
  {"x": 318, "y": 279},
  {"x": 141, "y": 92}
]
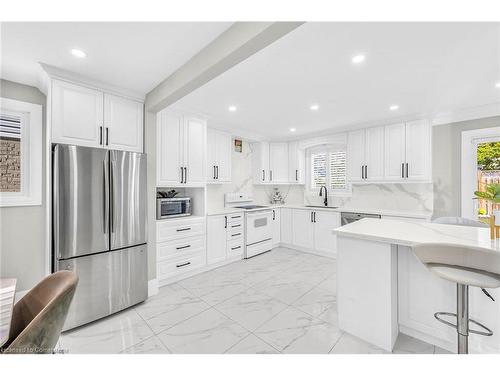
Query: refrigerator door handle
[
  {"x": 112, "y": 196},
  {"x": 105, "y": 203},
  {"x": 55, "y": 201}
]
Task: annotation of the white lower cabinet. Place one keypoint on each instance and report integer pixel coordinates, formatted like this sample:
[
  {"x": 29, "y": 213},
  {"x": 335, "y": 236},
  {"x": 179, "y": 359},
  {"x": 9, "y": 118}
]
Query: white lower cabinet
[
  {"x": 324, "y": 223},
  {"x": 276, "y": 226},
  {"x": 303, "y": 230},
  {"x": 225, "y": 238},
  {"x": 286, "y": 226},
  {"x": 180, "y": 247}
]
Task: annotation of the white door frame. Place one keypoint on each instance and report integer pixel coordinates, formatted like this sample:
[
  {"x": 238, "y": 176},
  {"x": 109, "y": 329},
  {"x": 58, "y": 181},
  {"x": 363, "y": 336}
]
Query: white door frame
[{"x": 470, "y": 139}]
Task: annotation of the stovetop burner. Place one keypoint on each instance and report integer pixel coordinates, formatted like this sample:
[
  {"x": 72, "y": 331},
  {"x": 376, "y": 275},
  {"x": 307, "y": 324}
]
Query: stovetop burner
[{"x": 250, "y": 207}]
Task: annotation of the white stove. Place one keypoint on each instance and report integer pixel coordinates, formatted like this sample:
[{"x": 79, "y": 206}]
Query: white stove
[{"x": 258, "y": 223}]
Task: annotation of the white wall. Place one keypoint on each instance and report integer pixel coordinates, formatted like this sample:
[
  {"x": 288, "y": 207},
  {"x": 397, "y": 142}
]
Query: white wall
[{"x": 22, "y": 229}]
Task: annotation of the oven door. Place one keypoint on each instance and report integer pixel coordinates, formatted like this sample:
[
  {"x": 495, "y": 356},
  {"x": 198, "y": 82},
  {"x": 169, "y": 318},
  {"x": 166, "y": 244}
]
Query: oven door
[{"x": 259, "y": 227}]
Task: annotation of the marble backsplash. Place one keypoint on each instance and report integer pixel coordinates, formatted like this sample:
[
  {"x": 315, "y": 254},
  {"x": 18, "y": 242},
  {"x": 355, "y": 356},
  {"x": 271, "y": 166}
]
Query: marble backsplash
[{"x": 405, "y": 197}]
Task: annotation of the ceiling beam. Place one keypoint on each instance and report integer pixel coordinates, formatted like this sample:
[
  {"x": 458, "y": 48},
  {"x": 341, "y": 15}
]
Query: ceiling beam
[{"x": 234, "y": 45}]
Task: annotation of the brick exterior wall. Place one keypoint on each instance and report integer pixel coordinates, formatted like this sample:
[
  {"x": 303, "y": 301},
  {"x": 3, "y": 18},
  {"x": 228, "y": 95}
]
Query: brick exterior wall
[{"x": 10, "y": 165}]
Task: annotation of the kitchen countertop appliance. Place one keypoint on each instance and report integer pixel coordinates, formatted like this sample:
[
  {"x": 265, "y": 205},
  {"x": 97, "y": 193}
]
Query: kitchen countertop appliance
[
  {"x": 99, "y": 228},
  {"x": 258, "y": 223},
  {"x": 173, "y": 207}
]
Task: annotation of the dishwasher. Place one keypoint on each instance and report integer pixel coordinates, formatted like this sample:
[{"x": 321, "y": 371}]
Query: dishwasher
[{"x": 351, "y": 217}]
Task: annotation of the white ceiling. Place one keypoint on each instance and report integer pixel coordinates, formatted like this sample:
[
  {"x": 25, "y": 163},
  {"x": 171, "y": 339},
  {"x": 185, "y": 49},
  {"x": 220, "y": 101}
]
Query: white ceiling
[
  {"x": 135, "y": 56},
  {"x": 424, "y": 68}
]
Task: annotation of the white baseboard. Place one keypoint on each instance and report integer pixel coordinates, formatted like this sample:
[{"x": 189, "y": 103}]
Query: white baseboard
[
  {"x": 307, "y": 250},
  {"x": 450, "y": 346},
  {"x": 152, "y": 287}
]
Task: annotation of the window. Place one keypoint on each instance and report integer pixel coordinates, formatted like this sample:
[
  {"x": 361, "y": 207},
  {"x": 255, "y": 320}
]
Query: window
[
  {"x": 20, "y": 153},
  {"x": 328, "y": 168}
]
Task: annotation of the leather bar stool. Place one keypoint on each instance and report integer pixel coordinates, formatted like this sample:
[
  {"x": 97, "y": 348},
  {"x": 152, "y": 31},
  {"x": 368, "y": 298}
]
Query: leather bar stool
[{"x": 466, "y": 266}]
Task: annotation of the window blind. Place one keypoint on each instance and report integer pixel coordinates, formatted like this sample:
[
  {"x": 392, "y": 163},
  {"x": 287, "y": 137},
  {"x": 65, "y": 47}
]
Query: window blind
[
  {"x": 318, "y": 169},
  {"x": 338, "y": 170},
  {"x": 10, "y": 126}
]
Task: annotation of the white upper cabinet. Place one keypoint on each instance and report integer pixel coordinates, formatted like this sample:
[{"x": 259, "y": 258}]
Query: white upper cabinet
[
  {"x": 365, "y": 155},
  {"x": 418, "y": 150},
  {"x": 296, "y": 163},
  {"x": 89, "y": 117},
  {"x": 123, "y": 119},
  {"x": 394, "y": 152},
  {"x": 77, "y": 114},
  {"x": 355, "y": 155},
  {"x": 180, "y": 150},
  {"x": 278, "y": 162},
  {"x": 219, "y": 147},
  {"x": 260, "y": 162},
  {"x": 408, "y": 150}
]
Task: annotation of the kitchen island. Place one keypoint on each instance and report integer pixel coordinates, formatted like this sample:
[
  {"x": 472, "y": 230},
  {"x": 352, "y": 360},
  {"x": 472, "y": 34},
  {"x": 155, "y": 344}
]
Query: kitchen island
[{"x": 383, "y": 289}]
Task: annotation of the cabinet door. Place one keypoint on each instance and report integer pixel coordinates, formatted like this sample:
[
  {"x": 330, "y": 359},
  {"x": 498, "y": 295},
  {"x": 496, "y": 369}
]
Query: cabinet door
[
  {"x": 324, "y": 239},
  {"x": 355, "y": 154},
  {"x": 418, "y": 150},
  {"x": 260, "y": 162},
  {"x": 276, "y": 226},
  {"x": 303, "y": 230},
  {"x": 211, "y": 154},
  {"x": 286, "y": 225},
  {"x": 394, "y": 151},
  {"x": 77, "y": 115},
  {"x": 194, "y": 150},
  {"x": 216, "y": 239},
  {"x": 169, "y": 139},
  {"x": 123, "y": 119},
  {"x": 374, "y": 153},
  {"x": 223, "y": 156},
  {"x": 278, "y": 161},
  {"x": 296, "y": 163}
]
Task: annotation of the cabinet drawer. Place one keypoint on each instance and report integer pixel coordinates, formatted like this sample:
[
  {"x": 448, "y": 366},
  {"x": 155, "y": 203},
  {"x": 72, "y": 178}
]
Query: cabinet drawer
[
  {"x": 166, "y": 250},
  {"x": 235, "y": 218},
  {"x": 235, "y": 248},
  {"x": 235, "y": 225},
  {"x": 179, "y": 228},
  {"x": 235, "y": 234},
  {"x": 167, "y": 269}
]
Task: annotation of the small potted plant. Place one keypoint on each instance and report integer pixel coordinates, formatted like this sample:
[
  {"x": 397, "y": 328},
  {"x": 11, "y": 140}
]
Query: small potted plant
[{"x": 492, "y": 194}]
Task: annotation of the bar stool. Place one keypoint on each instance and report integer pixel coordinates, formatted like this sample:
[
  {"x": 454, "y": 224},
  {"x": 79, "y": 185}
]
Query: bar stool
[{"x": 466, "y": 266}]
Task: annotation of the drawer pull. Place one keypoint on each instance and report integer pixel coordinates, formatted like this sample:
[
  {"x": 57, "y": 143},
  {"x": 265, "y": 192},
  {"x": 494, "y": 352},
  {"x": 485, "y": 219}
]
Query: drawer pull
[
  {"x": 183, "y": 264},
  {"x": 183, "y": 247},
  {"x": 236, "y": 248},
  {"x": 236, "y": 234},
  {"x": 235, "y": 217},
  {"x": 236, "y": 226},
  {"x": 183, "y": 229}
]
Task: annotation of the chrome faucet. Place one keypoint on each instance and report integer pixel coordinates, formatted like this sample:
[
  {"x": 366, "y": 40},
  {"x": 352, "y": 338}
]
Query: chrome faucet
[{"x": 326, "y": 194}]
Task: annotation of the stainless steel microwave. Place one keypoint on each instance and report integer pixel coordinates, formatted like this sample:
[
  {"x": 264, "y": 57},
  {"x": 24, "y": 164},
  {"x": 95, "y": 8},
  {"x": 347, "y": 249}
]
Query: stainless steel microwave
[{"x": 172, "y": 207}]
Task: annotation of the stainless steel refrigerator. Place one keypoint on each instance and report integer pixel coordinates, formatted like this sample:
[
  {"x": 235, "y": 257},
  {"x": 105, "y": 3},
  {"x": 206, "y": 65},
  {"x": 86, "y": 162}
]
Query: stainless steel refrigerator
[{"x": 99, "y": 228}]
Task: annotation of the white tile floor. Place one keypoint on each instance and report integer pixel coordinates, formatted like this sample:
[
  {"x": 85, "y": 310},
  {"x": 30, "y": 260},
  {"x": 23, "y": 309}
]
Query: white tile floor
[{"x": 283, "y": 301}]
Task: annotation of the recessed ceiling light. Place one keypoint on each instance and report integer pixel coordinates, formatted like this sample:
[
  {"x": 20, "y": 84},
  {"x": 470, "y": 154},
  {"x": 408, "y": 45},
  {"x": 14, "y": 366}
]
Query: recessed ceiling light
[
  {"x": 358, "y": 59},
  {"x": 293, "y": 130},
  {"x": 232, "y": 108},
  {"x": 394, "y": 107},
  {"x": 497, "y": 84},
  {"x": 314, "y": 107},
  {"x": 78, "y": 53}
]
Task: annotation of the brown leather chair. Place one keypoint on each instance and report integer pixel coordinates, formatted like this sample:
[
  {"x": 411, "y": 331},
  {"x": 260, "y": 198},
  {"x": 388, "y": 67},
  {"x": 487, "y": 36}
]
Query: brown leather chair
[{"x": 38, "y": 318}]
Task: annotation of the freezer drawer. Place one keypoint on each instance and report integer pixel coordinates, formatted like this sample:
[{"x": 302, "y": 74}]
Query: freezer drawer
[{"x": 109, "y": 282}]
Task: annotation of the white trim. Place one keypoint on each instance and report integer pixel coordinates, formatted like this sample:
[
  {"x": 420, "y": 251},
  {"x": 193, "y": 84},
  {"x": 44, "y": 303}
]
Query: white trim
[
  {"x": 469, "y": 167},
  {"x": 31, "y": 145},
  {"x": 153, "y": 287},
  {"x": 465, "y": 114}
]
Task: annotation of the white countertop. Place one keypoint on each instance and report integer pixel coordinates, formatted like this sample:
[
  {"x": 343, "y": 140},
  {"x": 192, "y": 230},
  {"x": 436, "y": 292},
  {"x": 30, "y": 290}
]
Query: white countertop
[
  {"x": 398, "y": 213},
  {"x": 414, "y": 233}
]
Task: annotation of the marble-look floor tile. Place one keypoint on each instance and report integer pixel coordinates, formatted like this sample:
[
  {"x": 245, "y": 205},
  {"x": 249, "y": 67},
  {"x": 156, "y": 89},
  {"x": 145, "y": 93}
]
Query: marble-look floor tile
[
  {"x": 349, "y": 344},
  {"x": 207, "y": 332},
  {"x": 152, "y": 345},
  {"x": 251, "y": 308},
  {"x": 110, "y": 335},
  {"x": 172, "y": 305},
  {"x": 285, "y": 287},
  {"x": 409, "y": 345},
  {"x": 252, "y": 345},
  {"x": 317, "y": 301},
  {"x": 439, "y": 350},
  {"x": 330, "y": 315},
  {"x": 293, "y": 331}
]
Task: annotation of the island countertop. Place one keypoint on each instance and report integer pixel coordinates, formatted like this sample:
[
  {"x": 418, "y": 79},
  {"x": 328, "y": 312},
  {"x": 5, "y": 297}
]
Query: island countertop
[{"x": 414, "y": 233}]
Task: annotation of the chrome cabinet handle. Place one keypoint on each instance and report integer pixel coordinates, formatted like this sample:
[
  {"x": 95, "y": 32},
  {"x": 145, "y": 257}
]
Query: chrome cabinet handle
[
  {"x": 235, "y": 248},
  {"x": 236, "y": 226},
  {"x": 100, "y": 135},
  {"x": 183, "y": 229},
  {"x": 182, "y": 247},
  {"x": 183, "y": 264},
  {"x": 107, "y": 136}
]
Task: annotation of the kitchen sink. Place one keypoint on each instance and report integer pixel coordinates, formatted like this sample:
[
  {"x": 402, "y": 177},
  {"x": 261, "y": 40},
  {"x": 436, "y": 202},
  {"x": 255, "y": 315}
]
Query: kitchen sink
[{"x": 318, "y": 206}]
